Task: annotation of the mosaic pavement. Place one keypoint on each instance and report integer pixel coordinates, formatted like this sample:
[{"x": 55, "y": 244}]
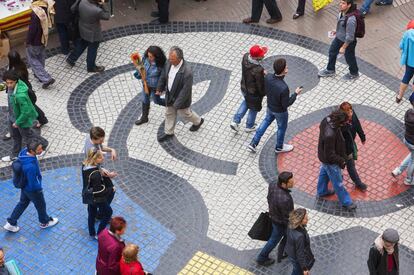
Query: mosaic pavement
[{"x": 191, "y": 201}]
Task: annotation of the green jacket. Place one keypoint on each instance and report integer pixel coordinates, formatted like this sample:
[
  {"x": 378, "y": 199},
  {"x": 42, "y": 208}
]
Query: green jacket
[{"x": 23, "y": 108}]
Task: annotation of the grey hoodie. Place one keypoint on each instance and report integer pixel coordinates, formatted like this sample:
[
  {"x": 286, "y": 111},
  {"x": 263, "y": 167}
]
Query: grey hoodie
[{"x": 346, "y": 33}]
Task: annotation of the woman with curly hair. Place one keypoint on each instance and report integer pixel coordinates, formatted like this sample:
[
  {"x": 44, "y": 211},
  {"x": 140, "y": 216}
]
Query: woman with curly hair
[{"x": 154, "y": 60}]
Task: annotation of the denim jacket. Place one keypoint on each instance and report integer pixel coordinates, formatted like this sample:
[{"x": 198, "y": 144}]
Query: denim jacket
[{"x": 153, "y": 73}]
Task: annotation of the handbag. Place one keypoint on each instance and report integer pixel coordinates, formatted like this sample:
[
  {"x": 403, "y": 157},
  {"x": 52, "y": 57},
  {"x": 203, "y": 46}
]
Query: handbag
[
  {"x": 88, "y": 196},
  {"x": 262, "y": 228}
]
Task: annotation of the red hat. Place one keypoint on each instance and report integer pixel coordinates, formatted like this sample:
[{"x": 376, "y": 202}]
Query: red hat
[
  {"x": 258, "y": 52},
  {"x": 410, "y": 25}
]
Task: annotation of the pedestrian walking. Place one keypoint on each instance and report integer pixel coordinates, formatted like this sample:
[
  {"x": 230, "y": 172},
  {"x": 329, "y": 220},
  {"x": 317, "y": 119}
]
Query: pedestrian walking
[
  {"x": 280, "y": 205},
  {"x": 332, "y": 155},
  {"x": 110, "y": 247},
  {"x": 278, "y": 101},
  {"x": 383, "y": 255},
  {"x": 130, "y": 265},
  {"x": 349, "y": 131},
  {"x": 298, "y": 243},
  {"x": 345, "y": 41},
  {"x": 153, "y": 63},
  {"x": 408, "y": 163},
  {"x": 63, "y": 20},
  {"x": 252, "y": 88},
  {"x": 37, "y": 37},
  {"x": 257, "y": 8},
  {"x": 177, "y": 80},
  {"x": 91, "y": 12},
  {"x": 33, "y": 190},
  {"x": 407, "y": 59},
  {"x": 21, "y": 114}
]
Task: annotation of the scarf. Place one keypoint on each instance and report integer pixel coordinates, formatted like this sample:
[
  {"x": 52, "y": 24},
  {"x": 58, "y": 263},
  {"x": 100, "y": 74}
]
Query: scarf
[
  {"x": 379, "y": 244},
  {"x": 46, "y": 20}
]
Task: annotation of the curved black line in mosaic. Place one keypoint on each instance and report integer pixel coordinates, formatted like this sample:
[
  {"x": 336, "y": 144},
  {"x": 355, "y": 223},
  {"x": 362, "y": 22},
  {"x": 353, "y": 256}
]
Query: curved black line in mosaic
[{"x": 268, "y": 166}]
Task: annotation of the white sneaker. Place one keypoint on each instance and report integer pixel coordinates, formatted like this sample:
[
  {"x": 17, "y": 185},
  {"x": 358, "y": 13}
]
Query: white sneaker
[
  {"x": 234, "y": 126},
  {"x": 41, "y": 155},
  {"x": 51, "y": 223},
  {"x": 286, "y": 148},
  {"x": 408, "y": 182},
  {"x": 11, "y": 228},
  {"x": 249, "y": 130},
  {"x": 6, "y": 159},
  {"x": 396, "y": 172}
]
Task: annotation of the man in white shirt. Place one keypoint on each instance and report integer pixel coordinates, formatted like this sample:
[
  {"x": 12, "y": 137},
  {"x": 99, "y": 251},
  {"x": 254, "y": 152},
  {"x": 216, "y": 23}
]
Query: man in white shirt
[{"x": 177, "y": 79}]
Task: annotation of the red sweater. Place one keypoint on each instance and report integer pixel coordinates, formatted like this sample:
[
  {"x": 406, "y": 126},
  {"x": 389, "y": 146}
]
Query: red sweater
[{"x": 133, "y": 268}]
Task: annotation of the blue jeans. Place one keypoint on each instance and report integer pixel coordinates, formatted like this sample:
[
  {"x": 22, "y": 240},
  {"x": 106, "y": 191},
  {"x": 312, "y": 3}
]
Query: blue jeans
[
  {"x": 282, "y": 123},
  {"x": 297, "y": 270},
  {"x": 333, "y": 173},
  {"x": 105, "y": 211},
  {"x": 278, "y": 232},
  {"x": 80, "y": 47},
  {"x": 349, "y": 56},
  {"x": 25, "y": 198},
  {"x": 251, "y": 117},
  {"x": 367, "y": 4},
  {"x": 408, "y": 163},
  {"x": 155, "y": 98}
]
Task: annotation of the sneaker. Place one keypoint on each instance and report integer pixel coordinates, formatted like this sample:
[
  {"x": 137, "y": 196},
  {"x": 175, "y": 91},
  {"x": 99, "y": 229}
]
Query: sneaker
[
  {"x": 252, "y": 147},
  {"x": 286, "y": 148},
  {"x": 361, "y": 186},
  {"x": 396, "y": 172},
  {"x": 11, "y": 228},
  {"x": 350, "y": 207},
  {"x": 52, "y": 222},
  {"x": 350, "y": 76},
  {"x": 41, "y": 155},
  {"x": 330, "y": 192},
  {"x": 408, "y": 182},
  {"x": 383, "y": 3},
  {"x": 326, "y": 73},
  {"x": 252, "y": 129},
  {"x": 363, "y": 13},
  {"x": 234, "y": 126},
  {"x": 7, "y": 159},
  {"x": 266, "y": 262},
  {"x": 7, "y": 136},
  {"x": 47, "y": 84}
]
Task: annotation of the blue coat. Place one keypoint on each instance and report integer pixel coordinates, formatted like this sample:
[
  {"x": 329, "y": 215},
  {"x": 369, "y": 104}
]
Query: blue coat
[
  {"x": 407, "y": 48},
  {"x": 31, "y": 170}
]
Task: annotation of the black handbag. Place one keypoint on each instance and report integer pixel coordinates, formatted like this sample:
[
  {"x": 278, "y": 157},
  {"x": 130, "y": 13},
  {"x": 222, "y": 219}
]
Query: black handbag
[
  {"x": 262, "y": 228},
  {"x": 88, "y": 196}
]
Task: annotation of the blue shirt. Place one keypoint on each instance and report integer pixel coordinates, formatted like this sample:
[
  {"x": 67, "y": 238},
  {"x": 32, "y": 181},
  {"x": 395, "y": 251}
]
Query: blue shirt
[
  {"x": 153, "y": 73},
  {"x": 407, "y": 48}
]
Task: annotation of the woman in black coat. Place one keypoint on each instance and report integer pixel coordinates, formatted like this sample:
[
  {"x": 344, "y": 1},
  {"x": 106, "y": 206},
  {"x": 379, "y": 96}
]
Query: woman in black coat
[
  {"x": 349, "y": 131},
  {"x": 298, "y": 243},
  {"x": 383, "y": 255}
]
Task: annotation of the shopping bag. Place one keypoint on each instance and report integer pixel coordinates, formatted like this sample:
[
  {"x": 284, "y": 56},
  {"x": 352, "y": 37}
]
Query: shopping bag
[
  {"x": 319, "y": 4},
  {"x": 262, "y": 228}
]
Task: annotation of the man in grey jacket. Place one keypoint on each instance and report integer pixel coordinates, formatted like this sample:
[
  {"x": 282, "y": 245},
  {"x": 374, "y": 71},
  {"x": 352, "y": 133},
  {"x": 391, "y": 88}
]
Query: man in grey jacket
[
  {"x": 91, "y": 12},
  {"x": 177, "y": 80},
  {"x": 344, "y": 41}
]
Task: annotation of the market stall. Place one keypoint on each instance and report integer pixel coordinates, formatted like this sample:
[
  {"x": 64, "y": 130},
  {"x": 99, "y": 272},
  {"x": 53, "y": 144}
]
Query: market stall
[{"x": 14, "y": 14}]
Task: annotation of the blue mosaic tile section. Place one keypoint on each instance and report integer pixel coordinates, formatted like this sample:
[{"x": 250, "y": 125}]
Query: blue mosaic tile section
[{"x": 67, "y": 247}]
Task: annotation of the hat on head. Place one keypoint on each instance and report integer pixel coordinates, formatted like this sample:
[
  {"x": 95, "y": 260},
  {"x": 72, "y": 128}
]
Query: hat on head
[
  {"x": 257, "y": 51},
  {"x": 410, "y": 25},
  {"x": 391, "y": 235},
  {"x": 411, "y": 99}
]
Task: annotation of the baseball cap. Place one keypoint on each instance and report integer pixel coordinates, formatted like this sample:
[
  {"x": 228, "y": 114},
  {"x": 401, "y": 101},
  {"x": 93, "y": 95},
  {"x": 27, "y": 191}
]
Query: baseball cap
[{"x": 257, "y": 51}]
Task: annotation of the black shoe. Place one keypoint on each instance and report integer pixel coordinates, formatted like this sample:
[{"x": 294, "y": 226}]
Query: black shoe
[
  {"x": 47, "y": 84},
  {"x": 97, "y": 69},
  {"x": 296, "y": 16},
  {"x": 144, "y": 116},
  {"x": 7, "y": 136},
  {"x": 157, "y": 22},
  {"x": 70, "y": 63},
  {"x": 350, "y": 207},
  {"x": 155, "y": 14},
  {"x": 196, "y": 127},
  {"x": 266, "y": 262},
  {"x": 165, "y": 137},
  {"x": 279, "y": 259},
  {"x": 361, "y": 186},
  {"x": 328, "y": 193}
]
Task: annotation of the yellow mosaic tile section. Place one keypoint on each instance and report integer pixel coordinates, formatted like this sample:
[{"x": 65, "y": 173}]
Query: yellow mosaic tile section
[{"x": 203, "y": 263}]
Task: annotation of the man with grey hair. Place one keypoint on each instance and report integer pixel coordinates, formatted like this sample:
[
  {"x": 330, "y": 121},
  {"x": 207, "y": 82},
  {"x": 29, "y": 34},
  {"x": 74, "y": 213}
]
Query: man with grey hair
[{"x": 177, "y": 81}]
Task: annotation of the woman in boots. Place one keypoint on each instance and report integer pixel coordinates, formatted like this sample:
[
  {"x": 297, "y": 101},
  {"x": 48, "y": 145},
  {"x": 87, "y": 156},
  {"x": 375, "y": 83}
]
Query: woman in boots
[{"x": 153, "y": 60}]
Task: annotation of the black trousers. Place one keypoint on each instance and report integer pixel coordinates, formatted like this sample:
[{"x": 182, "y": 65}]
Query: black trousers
[
  {"x": 301, "y": 7},
  {"x": 271, "y": 6},
  {"x": 163, "y": 10}
]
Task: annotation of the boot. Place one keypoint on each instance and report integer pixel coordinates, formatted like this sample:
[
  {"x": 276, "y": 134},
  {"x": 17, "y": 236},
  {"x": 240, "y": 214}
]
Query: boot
[{"x": 144, "y": 116}]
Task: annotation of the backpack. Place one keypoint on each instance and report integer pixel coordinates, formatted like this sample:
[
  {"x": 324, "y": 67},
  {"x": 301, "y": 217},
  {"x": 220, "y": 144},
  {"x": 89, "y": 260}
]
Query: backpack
[
  {"x": 19, "y": 178},
  {"x": 360, "y": 23}
]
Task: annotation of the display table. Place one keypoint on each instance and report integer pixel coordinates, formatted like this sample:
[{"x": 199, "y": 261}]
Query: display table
[{"x": 15, "y": 18}]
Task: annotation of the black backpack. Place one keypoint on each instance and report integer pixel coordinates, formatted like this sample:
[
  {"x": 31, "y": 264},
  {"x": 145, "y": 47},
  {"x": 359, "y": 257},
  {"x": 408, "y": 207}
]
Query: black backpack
[
  {"x": 19, "y": 178},
  {"x": 360, "y": 23}
]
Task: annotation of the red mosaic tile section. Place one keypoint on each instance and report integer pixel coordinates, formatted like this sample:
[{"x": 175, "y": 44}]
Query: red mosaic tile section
[{"x": 382, "y": 152}]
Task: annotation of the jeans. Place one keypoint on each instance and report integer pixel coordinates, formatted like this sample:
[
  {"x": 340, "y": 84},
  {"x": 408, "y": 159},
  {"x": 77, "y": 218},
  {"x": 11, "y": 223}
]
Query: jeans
[
  {"x": 271, "y": 6},
  {"x": 333, "y": 173},
  {"x": 367, "y": 4},
  {"x": 353, "y": 173},
  {"x": 105, "y": 211},
  {"x": 301, "y": 7},
  {"x": 25, "y": 198},
  {"x": 409, "y": 72},
  {"x": 282, "y": 123},
  {"x": 156, "y": 98},
  {"x": 36, "y": 57},
  {"x": 349, "y": 56},
  {"x": 278, "y": 232},
  {"x": 408, "y": 163},
  {"x": 80, "y": 47},
  {"x": 27, "y": 135},
  {"x": 297, "y": 270},
  {"x": 63, "y": 32},
  {"x": 251, "y": 117}
]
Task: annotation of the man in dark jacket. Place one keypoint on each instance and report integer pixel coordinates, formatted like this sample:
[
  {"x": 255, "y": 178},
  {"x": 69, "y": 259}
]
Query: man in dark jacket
[
  {"x": 33, "y": 191},
  {"x": 280, "y": 205},
  {"x": 63, "y": 19},
  {"x": 252, "y": 86},
  {"x": 383, "y": 255},
  {"x": 91, "y": 12},
  {"x": 177, "y": 80},
  {"x": 332, "y": 154},
  {"x": 278, "y": 101}
]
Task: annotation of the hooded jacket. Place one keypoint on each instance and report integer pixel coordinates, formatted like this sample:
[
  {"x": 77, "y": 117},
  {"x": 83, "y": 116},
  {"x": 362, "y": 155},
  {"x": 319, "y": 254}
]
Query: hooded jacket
[
  {"x": 31, "y": 170},
  {"x": 407, "y": 48},
  {"x": 252, "y": 83},
  {"x": 331, "y": 146},
  {"x": 23, "y": 109}
]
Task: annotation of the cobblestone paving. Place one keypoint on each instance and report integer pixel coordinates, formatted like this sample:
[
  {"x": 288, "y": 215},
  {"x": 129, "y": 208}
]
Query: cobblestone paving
[{"x": 191, "y": 201}]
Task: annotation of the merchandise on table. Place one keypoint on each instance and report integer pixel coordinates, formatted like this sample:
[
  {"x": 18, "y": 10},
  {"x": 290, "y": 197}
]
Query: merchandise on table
[{"x": 14, "y": 14}]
